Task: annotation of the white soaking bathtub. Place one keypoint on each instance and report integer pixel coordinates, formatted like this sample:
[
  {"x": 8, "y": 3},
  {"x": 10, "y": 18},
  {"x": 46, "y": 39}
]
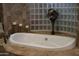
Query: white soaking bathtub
[{"x": 51, "y": 42}]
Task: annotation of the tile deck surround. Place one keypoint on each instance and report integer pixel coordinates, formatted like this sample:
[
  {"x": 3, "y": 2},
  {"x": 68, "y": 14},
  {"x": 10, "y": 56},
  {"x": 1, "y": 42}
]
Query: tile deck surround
[{"x": 39, "y": 52}]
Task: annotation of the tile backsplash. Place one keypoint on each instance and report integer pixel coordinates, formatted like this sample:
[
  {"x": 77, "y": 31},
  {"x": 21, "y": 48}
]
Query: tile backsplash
[
  {"x": 35, "y": 15},
  {"x": 66, "y": 21}
]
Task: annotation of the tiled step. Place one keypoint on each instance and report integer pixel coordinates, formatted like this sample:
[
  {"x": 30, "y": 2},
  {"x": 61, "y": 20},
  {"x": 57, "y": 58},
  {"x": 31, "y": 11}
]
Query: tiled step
[
  {"x": 4, "y": 54},
  {"x": 2, "y": 50}
]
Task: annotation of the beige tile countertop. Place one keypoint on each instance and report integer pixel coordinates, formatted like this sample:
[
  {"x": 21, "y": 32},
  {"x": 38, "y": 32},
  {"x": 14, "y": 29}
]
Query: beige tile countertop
[{"x": 39, "y": 52}]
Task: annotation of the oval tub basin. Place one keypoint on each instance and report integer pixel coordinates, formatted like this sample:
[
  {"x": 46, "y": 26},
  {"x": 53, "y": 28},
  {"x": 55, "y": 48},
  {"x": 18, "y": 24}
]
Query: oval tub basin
[{"x": 51, "y": 42}]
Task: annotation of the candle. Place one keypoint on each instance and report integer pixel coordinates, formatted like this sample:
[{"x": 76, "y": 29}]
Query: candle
[
  {"x": 20, "y": 25},
  {"x": 14, "y": 23},
  {"x": 26, "y": 26}
]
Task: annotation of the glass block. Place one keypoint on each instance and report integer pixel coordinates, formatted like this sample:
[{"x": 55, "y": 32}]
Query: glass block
[
  {"x": 40, "y": 10},
  {"x": 49, "y": 5},
  {"x": 36, "y": 27},
  {"x": 32, "y": 5},
  {"x": 40, "y": 5},
  {"x": 40, "y": 21},
  {"x": 32, "y": 27},
  {"x": 65, "y": 28},
  {"x": 69, "y": 23},
  {"x": 45, "y": 11},
  {"x": 61, "y": 28},
  {"x": 68, "y": 5},
  {"x": 40, "y": 27},
  {"x": 36, "y": 17},
  {"x": 36, "y": 22},
  {"x": 65, "y": 21},
  {"x": 53, "y": 5},
  {"x": 48, "y": 22},
  {"x": 36, "y": 5},
  {"x": 32, "y": 22},
  {"x": 44, "y": 27},
  {"x": 69, "y": 29},
  {"x": 36, "y": 11},
  {"x": 57, "y": 4},
  {"x": 45, "y": 5},
  {"x": 40, "y": 16}
]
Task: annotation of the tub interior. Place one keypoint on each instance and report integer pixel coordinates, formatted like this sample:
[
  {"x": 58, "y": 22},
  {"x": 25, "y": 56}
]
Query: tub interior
[{"x": 39, "y": 39}]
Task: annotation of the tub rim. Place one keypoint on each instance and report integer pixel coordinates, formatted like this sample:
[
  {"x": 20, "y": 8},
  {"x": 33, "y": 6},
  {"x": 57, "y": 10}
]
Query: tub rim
[{"x": 39, "y": 46}]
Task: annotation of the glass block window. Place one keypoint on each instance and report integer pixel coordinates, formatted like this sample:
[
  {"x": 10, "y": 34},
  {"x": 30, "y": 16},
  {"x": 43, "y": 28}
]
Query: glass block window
[{"x": 66, "y": 21}]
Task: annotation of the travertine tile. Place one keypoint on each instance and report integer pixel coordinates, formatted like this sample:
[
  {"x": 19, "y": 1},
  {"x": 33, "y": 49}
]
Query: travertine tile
[
  {"x": 40, "y": 52},
  {"x": 15, "y": 13}
]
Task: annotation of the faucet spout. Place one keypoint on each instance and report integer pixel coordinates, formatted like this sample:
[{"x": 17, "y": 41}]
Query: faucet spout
[{"x": 52, "y": 14}]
